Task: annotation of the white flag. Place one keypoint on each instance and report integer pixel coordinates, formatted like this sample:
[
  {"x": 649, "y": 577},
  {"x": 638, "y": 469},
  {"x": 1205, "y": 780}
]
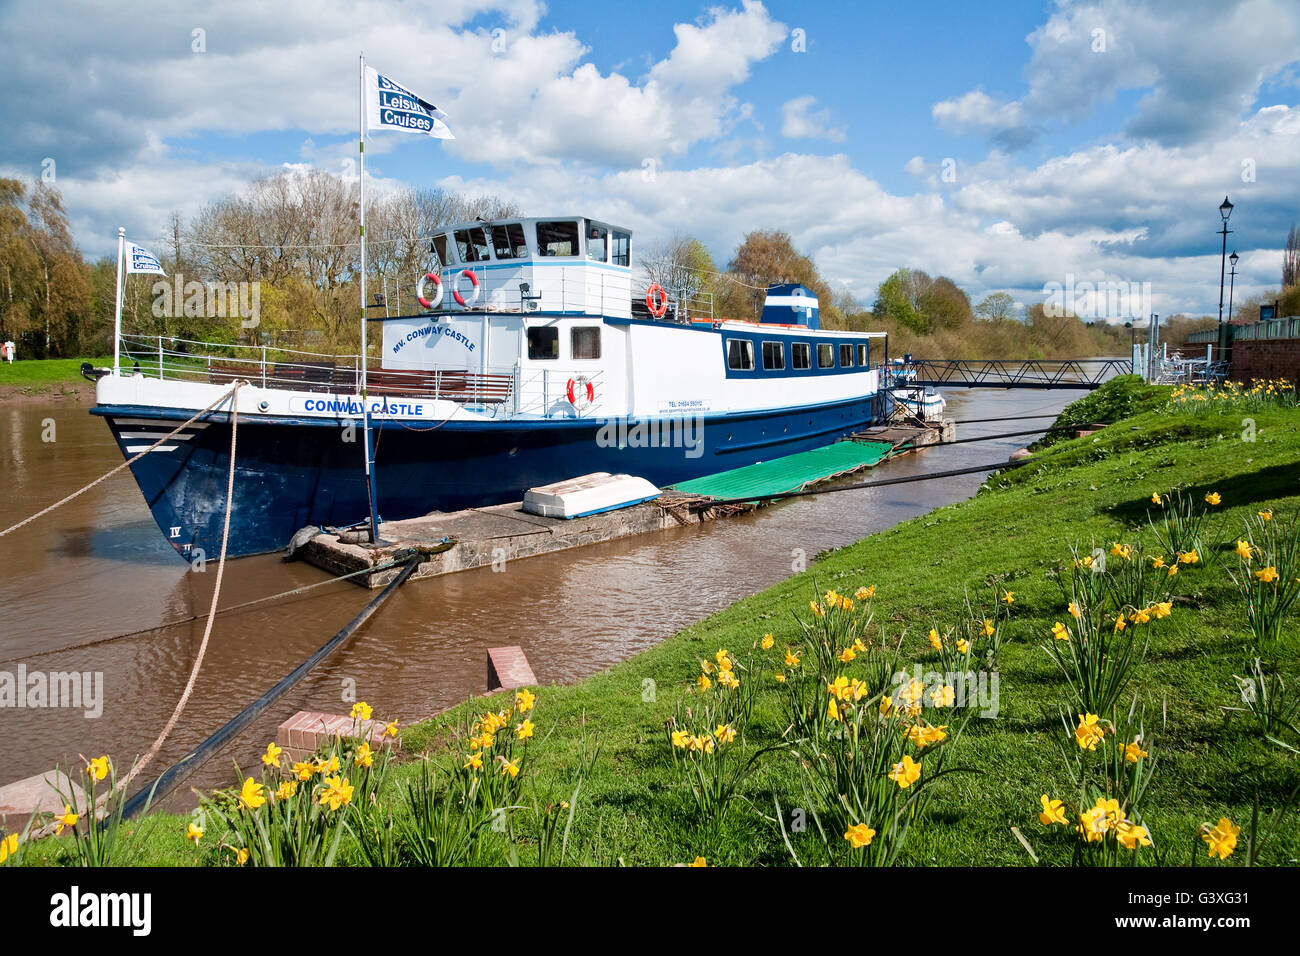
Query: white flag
[
  {"x": 390, "y": 105},
  {"x": 140, "y": 259}
]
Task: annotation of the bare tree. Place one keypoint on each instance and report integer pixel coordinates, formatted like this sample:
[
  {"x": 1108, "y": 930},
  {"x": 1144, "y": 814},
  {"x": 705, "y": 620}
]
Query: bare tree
[{"x": 1291, "y": 259}]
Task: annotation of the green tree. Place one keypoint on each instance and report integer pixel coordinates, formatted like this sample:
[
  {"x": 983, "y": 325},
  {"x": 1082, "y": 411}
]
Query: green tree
[{"x": 997, "y": 307}]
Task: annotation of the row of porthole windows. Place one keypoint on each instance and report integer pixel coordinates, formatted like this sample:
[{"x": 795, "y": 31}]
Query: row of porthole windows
[{"x": 740, "y": 355}]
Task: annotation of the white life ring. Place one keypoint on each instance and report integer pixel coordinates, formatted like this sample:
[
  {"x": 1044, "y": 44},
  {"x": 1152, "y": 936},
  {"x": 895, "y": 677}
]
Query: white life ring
[
  {"x": 455, "y": 289},
  {"x": 580, "y": 392},
  {"x": 419, "y": 290}
]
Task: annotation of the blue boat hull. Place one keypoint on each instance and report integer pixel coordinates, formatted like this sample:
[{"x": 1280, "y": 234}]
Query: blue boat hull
[{"x": 292, "y": 473}]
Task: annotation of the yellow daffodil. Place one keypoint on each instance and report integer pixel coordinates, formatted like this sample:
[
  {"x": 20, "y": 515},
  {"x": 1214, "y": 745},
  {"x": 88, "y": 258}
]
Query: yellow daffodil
[
  {"x": 1141, "y": 616},
  {"x": 67, "y": 819},
  {"x": 725, "y": 733},
  {"x": 680, "y": 738},
  {"x": 304, "y": 771},
  {"x": 767, "y": 642},
  {"x": 728, "y": 679},
  {"x": 1266, "y": 514},
  {"x": 473, "y": 761},
  {"x": 361, "y": 711},
  {"x": 1213, "y": 498},
  {"x": 1089, "y": 733},
  {"x": 1120, "y": 623},
  {"x": 272, "y": 756},
  {"x": 906, "y": 772},
  {"x": 832, "y": 709},
  {"x": 1163, "y": 608},
  {"x": 1156, "y": 499},
  {"x": 847, "y": 655},
  {"x": 98, "y": 767},
  {"x": 241, "y": 856},
  {"x": 250, "y": 794},
  {"x": 988, "y": 628},
  {"x": 698, "y": 861},
  {"x": 365, "y": 756},
  {"x": 390, "y": 729},
  {"x": 1244, "y": 550},
  {"x": 286, "y": 790},
  {"x": 1092, "y": 824},
  {"x": 704, "y": 682},
  {"x": 935, "y": 641},
  {"x": 1130, "y": 835},
  {"x": 1268, "y": 575},
  {"x": 1133, "y": 752},
  {"x": 886, "y": 705},
  {"x": 779, "y": 678},
  {"x": 1060, "y": 631},
  {"x": 1053, "y": 811},
  {"x": 337, "y": 793},
  {"x": 1221, "y": 838},
  {"x": 963, "y": 646},
  {"x": 791, "y": 659},
  {"x": 524, "y": 700},
  {"x": 859, "y": 835},
  {"x": 858, "y": 646},
  {"x": 817, "y": 609},
  {"x": 865, "y": 594},
  {"x": 510, "y": 768},
  {"x": 943, "y": 696},
  {"x": 1157, "y": 562},
  {"x": 1188, "y": 557},
  {"x": 9, "y": 846},
  {"x": 524, "y": 730},
  {"x": 1009, "y": 597},
  {"x": 1074, "y": 611}
]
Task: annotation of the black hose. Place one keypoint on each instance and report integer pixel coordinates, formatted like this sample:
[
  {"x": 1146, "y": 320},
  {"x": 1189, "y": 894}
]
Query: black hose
[{"x": 191, "y": 762}]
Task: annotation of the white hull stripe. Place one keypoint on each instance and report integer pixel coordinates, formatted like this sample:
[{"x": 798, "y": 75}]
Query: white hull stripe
[
  {"x": 179, "y": 436},
  {"x": 156, "y": 423},
  {"x": 136, "y": 448}
]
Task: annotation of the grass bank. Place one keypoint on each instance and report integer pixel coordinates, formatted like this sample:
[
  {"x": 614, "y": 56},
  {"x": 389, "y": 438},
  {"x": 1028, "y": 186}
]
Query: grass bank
[
  {"x": 947, "y": 570},
  {"x": 47, "y": 378}
]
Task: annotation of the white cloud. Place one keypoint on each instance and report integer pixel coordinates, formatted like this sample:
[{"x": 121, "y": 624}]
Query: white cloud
[{"x": 800, "y": 121}]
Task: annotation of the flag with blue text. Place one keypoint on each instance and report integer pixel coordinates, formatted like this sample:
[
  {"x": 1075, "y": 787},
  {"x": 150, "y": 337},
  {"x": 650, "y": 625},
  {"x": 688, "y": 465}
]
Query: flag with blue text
[
  {"x": 390, "y": 105},
  {"x": 140, "y": 259}
]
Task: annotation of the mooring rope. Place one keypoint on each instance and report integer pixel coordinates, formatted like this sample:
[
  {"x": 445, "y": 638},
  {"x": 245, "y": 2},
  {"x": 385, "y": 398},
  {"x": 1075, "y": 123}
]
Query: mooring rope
[
  {"x": 128, "y": 462},
  {"x": 152, "y": 752},
  {"x": 177, "y": 622}
]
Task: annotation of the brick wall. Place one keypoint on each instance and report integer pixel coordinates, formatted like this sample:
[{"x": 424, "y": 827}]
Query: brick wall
[{"x": 1265, "y": 358}]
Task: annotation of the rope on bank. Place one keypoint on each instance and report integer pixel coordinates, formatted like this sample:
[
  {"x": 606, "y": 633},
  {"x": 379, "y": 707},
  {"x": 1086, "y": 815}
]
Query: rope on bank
[
  {"x": 178, "y": 771},
  {"x": 212, "y": 609},
  {"x": 130, "y": 461}
]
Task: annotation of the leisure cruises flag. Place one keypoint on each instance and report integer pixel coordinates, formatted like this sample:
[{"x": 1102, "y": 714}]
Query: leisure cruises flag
[
  {"x": 390, "y": 105},
  {"x": 140, "y": 259}
]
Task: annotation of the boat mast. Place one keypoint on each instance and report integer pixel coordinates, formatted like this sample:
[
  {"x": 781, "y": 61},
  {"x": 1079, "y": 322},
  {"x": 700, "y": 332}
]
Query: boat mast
[{"x": 368, "y": 451}]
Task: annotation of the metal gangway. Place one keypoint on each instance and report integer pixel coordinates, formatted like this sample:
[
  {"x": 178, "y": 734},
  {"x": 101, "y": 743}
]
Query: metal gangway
[{"x": 1015, "y": 373}]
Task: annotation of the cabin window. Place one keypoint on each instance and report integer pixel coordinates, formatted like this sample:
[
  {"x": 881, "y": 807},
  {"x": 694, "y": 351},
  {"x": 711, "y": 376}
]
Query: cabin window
[
  {"x": 740, "y": 355},
  {"x": 825, "y": 355},
  {"x": 584, "y": 342},
  {"x": 440, "y": 249},
  {"x": 508, "y": 241},
  {"x": 544, "y": 342},
  {"x": 773, "y": 355},
  {"x": 864, "y": 356},
  {"x": 799, "y": 355},
  {"x": 557, "y": 238},
  {"x": 472, "y": 245},
  {"x": 622, "y": 249},
  {"x": 597, "y": 242},
  {"x": 846, "y": 356}
]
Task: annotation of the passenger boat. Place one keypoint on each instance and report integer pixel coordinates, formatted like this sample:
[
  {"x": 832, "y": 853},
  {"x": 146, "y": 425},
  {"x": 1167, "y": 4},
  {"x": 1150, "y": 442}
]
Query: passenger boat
[{"x": 532, "y": 358}]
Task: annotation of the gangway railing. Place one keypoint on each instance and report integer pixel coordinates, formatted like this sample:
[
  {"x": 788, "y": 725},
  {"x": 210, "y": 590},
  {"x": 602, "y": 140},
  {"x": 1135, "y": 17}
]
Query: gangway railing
[{"x": 1014, "y": 373}]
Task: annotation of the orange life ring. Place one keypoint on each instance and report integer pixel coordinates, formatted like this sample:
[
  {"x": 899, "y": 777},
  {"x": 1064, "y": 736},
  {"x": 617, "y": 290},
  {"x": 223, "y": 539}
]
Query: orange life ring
[
  {"x": 659, "y": 312},
  {"x": 455, "y": 291},
  {"x": 419, "y": 290},
  {"x": 571, "y": 391}
]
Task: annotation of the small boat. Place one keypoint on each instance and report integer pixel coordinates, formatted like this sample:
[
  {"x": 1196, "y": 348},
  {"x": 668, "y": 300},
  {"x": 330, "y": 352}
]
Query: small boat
[
  {"x": 923, "y": 402},
  {"x": 532, "y": 359}
]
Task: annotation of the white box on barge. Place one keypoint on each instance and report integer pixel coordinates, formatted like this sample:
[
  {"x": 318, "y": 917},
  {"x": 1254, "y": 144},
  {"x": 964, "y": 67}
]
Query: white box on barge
[{"x": 588, "y": 495}]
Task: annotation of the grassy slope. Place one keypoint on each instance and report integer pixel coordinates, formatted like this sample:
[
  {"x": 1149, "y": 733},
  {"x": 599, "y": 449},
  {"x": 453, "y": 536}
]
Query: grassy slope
[
  {"x": 633, "y": 808},
  {"x": 45, "y": 375}
]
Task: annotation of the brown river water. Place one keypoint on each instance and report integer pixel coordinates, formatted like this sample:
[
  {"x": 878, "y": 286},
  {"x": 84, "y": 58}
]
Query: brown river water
[{"x": 99, "y": 567}]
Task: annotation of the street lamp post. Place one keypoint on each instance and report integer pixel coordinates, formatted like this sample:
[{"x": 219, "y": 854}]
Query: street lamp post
[
  {"x": 1225, "y": 210},
  {"x": 1232, "y": 282}
]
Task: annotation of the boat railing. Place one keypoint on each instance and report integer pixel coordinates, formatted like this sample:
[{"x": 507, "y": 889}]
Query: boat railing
[
  {"x": 576, "y": 289},
  {"x": 502, "y": 390}
]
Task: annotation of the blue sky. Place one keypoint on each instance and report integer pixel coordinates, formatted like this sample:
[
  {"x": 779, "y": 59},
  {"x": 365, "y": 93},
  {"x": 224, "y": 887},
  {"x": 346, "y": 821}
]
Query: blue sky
[{"x": 1007, "y": 145}]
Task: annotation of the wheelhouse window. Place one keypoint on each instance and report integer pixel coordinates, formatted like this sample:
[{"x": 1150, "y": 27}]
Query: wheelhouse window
[
  {"x": 597, "y": 242},
  {"x": 864, "y": 356},
  {"x": 584, "y": 342},
  {"x": 773, "y": 355},
  {"x": 740, "y": 355},
  {"x": 544, "y": 342},
  {"x": 557, "y": 238},
  {"x": 471, "y": 245},
  {"x": 622, "y": 249},
  {"x": 800, "y": 356},
  {"x": 825, "y": 355},
  {"x": 508, "y": 241},
  {"x": 846, "y": 356},
  {"x": 440, "y": 249}
]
